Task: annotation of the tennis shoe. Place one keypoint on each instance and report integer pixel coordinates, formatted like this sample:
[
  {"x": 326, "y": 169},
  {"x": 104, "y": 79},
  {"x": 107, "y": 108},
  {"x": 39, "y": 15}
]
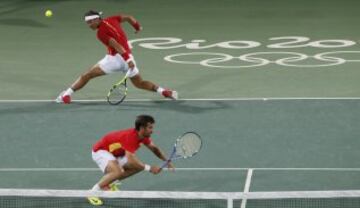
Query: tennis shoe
[
  {"x": 66, "y": 99},
  {"x": 170, "y": 94},
  {"x": 96, "y": 201},
  {"x": 59, "y": 98},
  {"x": 115, "y": 186}
]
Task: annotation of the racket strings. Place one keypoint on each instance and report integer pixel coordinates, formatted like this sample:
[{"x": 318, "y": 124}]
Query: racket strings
[
  {"x": 117, "y": 94},
  {"x": 188, "y": 145}
]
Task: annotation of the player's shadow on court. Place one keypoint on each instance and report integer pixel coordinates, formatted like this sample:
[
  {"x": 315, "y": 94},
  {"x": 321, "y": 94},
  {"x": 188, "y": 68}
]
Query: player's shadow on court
[
  {"x": 190, "y": 107},
  {"x": 183, "y": 106}
]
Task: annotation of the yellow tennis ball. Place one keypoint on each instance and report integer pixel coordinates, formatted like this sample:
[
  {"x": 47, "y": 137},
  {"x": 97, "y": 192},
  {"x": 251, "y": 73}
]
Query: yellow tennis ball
[{"x": 48, "y": 13}]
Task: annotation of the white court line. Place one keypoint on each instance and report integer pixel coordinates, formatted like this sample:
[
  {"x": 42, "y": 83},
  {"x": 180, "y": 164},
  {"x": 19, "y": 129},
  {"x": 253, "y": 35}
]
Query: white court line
[
  {"x": 180, "y": 169},
  {"x": 248, "y": 181},
  {"x": 246, "y": 187},
  {"x": 191, "y": 99}
]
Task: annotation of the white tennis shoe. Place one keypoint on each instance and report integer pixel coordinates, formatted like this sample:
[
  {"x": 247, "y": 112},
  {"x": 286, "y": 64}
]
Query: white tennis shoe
[
  {"x": 170, "y": 94},
  {"x": 66, "y": 99}
]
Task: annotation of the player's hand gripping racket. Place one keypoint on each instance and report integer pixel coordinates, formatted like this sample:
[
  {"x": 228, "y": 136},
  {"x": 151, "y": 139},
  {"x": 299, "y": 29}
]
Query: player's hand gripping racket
[
  {"x": 118, "y": 91},
  {"x": 187, "y": 145}
]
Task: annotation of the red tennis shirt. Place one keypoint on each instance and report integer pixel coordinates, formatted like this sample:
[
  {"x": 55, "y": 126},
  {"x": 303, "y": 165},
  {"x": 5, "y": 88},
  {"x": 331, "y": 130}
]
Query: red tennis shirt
[
  {"x": 117, "y": 142},
  {"x": 110, "y": 28}
]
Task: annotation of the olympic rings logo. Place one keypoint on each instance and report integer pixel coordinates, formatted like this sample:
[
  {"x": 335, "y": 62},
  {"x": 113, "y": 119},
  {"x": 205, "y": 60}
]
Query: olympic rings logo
[{"x": 255, "y": 59}]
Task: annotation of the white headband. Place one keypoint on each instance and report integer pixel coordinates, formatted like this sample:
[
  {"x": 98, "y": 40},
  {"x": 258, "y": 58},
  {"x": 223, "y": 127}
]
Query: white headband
[{"x": 91, "y": 17}]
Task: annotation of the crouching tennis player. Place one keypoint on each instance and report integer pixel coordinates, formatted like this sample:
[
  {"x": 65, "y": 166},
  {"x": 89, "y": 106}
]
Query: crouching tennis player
[{"x": 115, "y": 154}]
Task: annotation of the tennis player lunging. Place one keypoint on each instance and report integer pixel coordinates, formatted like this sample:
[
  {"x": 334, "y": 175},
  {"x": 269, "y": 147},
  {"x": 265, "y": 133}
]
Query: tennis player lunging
[
  {"x": 118, "y": 59},
  {"x": 115, "y": 154}
]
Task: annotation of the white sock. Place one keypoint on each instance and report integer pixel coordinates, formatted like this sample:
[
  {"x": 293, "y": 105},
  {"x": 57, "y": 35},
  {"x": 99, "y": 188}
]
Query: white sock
[
  {"x": 96, "y": 187},
  {"x": 69, "y": 91},
  {"x": 160, "y": 90}
]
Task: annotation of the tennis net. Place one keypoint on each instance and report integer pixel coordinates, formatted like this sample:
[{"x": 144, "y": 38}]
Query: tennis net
[{"x": 16, "y": 198}]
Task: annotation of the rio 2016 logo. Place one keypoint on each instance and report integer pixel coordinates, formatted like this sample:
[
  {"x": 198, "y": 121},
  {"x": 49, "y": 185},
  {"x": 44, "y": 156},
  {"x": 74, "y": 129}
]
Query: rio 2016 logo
[{"x": 334, "y": 55}]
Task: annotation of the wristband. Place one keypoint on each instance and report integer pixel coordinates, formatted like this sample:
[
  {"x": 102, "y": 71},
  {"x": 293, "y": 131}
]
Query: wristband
[
  {"x": 147, "y": 167},
  {"x": 130, "y": 59},
  {"x": 136, "y": 25},
  {"x": 127, "y": 58}
]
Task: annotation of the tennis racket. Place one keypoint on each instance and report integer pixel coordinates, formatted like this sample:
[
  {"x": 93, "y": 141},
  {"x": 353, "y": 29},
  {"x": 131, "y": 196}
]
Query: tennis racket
[
  {"x": 186, "y": 146},
  {"x": 118, "y": 91}
]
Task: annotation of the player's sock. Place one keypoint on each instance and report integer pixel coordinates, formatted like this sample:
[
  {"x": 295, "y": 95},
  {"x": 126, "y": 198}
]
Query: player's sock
[
  {"x": 96, "y": 187},
  {"x": 160, "y": 90},
  {"x": 69, "y": 91}
]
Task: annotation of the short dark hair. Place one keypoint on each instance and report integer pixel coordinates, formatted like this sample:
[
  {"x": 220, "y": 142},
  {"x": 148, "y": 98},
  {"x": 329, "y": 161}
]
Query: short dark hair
[
  {"x": 92, "y": 12},
  {"x": 142, "y": 121}
]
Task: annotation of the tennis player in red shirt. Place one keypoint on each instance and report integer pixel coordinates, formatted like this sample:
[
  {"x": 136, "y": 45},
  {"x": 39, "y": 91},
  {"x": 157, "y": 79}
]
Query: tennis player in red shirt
[
  {"x": 118, "y": 58},
  {"x": 115, "y": 154}
]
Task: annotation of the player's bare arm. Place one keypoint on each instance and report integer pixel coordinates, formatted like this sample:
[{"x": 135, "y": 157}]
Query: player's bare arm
[
  {"x": 113, "y": 43},
  {"x": 132, "y": 21},
  {"x": 157, "y": 151},
  {"x": 135, "y": 163}
]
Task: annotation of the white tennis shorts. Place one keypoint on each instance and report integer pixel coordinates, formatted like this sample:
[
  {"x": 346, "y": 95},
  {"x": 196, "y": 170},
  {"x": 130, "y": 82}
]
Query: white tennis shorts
[
  {"x": 111, "y": 64},
  {"x": 102, "y": 158}
]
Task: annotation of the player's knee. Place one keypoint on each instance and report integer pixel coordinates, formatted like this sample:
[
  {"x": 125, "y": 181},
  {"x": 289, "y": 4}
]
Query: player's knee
[
  {"x": 91, "y": 74},
  {"x": 135, "y": 167},
  {"x": 85, "y": 76},
  {"x": 118, "y": 173}
]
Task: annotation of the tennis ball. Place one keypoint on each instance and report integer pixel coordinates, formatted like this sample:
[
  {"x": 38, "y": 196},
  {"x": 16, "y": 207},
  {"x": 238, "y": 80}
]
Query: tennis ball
[{"x": 48, "y": 13}]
